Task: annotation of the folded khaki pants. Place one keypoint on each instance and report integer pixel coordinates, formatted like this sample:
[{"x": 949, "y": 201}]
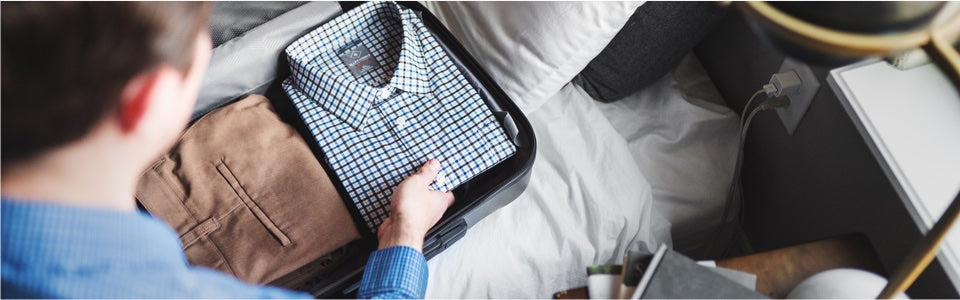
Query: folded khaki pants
[{"x": 246, "y": 195}]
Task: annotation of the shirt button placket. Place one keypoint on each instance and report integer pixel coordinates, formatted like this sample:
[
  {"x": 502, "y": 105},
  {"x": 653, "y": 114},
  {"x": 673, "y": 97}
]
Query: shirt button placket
[{"x": 395, "y": 116}]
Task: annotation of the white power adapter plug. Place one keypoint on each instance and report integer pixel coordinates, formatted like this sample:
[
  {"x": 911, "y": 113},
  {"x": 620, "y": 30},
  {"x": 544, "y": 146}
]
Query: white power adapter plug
[
  {"x": 784, "y": 83},
  {"x": 797, "y": 82}
]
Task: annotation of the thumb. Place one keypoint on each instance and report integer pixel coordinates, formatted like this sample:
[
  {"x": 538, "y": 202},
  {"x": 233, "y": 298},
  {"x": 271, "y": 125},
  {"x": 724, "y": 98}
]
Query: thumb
[
  {"x": 447, "y": 198},
  {"x": 429, "y": 170}
]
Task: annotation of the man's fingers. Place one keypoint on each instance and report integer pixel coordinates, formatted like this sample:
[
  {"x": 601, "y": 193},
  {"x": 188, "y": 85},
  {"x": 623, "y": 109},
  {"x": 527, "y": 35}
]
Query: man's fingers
[
  {"x": 383, "y": 226},
  {"x": 446, "y": 197},
  {"x": 430, "y": 170}
]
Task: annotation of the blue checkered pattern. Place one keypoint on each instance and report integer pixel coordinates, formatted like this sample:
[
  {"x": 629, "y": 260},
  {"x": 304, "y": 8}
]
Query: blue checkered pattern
[
  {"x": 59, "y": 251},
  {"x": 377, "y": 128},
  {"x": 396, "y": 273}
]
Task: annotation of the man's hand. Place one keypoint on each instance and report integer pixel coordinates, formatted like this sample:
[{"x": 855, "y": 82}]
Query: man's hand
[{"x": 414, "y": 208}]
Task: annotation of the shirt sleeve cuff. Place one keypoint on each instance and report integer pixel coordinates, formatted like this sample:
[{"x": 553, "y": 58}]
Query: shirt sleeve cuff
[{"x": 395, "y": 272}]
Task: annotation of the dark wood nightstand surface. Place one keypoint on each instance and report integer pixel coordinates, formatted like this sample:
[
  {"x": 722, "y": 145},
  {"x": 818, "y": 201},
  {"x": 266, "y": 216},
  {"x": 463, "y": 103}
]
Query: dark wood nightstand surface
[{"x": 779, "y": 271}]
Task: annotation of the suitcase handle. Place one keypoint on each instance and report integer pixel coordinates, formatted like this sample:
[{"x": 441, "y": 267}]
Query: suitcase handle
[{"x": 444, "y": 238}]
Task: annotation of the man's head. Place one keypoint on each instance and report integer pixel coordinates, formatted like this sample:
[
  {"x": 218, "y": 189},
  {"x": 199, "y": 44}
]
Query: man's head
[{"x": 121, "y": 73}]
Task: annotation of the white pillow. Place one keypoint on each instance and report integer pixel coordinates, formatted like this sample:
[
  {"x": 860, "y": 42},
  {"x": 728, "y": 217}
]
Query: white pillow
[{"x": 533, "y": 48}]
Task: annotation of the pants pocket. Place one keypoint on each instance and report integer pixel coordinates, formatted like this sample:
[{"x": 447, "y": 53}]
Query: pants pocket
[{"x": 248, "y": 201}]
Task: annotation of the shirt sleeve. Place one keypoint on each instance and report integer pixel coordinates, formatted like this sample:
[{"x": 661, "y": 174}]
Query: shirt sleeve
[{"x": 395, "y": 272}]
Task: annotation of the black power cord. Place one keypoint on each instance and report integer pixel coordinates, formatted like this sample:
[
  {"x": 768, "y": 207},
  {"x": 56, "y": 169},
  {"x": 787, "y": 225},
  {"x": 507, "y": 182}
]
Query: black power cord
[{"x": 780, "y": 84}]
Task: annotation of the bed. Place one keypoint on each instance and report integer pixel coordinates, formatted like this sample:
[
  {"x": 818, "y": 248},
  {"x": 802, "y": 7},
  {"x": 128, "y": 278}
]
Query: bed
[
  {"x": 608, "y": 176},
  {"x": 649, "y": 169}
]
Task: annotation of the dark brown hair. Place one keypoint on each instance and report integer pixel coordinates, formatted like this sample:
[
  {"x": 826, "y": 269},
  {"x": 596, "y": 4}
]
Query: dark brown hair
[{"x": 64, "y": 64}]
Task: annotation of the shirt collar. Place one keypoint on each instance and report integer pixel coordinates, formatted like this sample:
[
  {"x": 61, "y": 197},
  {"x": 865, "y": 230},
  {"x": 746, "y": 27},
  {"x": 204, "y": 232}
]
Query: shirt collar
[
  {"x": 411, "y": 60},
  {"x": 77, "y": 237},
  {"x": 342, "y": 96}
]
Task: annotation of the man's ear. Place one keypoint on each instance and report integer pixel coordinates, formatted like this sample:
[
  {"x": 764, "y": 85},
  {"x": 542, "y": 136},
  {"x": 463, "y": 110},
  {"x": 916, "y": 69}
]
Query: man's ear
[{"x": 144, "y": 92}]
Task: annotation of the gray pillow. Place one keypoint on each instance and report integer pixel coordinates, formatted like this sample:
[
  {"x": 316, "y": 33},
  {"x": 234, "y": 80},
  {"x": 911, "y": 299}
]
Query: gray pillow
[{"x": 652, "y": 43}]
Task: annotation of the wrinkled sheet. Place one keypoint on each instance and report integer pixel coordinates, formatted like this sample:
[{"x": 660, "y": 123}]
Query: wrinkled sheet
[
  {"x": 607, "y": 177},
  {"x": 684, "y": 140}
]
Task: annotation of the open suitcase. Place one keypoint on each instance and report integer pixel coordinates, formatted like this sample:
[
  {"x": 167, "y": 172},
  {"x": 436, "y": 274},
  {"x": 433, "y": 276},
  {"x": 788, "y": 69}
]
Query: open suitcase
[{"x": 261, "y": 48}]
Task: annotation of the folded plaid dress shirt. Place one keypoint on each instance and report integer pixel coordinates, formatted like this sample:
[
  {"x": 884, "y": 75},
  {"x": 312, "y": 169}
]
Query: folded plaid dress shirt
[{"x": 382, "y": 97}]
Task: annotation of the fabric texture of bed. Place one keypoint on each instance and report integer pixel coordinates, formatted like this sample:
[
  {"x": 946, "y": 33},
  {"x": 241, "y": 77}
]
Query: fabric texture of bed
[
  {"x": 607, "y": 177},
  {"x": 586, "y": 203},
  {"x": 652, "y": 43},
  {"x": 683, "y": 138},
  {"x": 532, "y": 49}
]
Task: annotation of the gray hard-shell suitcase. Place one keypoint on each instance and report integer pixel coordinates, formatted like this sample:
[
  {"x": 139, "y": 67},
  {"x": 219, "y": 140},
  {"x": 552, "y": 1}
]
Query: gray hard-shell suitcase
[{"x": 252, "y": 61}]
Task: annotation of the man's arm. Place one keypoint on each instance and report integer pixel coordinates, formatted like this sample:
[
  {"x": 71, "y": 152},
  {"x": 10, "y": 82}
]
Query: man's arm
[
  {"x": 395, "y": 272},
  {"x": 398, "y": 269}
]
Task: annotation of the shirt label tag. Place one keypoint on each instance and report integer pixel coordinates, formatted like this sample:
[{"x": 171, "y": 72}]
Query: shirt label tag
[{"x": 357, "y": 58}]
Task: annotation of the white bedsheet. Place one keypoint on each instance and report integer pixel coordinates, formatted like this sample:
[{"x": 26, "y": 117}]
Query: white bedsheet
[
  {"x": 600, "y": 171},
  {"x": 684, "y": 140}
]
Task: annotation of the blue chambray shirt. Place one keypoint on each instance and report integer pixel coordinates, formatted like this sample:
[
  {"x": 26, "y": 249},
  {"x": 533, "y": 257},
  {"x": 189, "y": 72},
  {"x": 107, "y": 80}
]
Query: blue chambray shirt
[
  {"x": 61, "y": 251},
  {"x": 381, "y": 97}
]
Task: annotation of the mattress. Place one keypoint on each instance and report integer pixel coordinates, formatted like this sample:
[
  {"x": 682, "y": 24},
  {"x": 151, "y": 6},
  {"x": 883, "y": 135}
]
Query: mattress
[{"x": 608, "y": 177}]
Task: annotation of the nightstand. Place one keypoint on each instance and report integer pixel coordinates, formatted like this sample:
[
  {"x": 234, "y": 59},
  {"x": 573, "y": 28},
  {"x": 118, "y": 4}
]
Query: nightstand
[
  {"x": 910, "y": 121},
  {"x": 779, "y": 271}
]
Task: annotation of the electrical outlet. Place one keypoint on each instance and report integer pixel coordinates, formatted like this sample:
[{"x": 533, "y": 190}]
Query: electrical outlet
[{"x": 799, "y": 100}]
